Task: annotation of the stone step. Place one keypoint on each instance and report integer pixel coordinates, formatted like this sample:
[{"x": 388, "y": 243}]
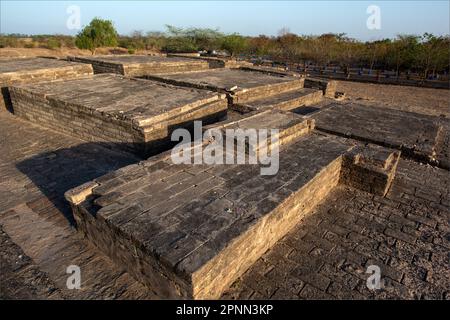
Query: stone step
[{"x": 289, "y": 100}]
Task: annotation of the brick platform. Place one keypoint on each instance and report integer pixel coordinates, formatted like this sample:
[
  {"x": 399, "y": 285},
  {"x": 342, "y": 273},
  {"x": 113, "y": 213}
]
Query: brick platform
[
  {"x": 189, "y": 231},
  {"x": 421, "y": 137},
  {"x": 32, "y": 70},
  {"x": 214, "y": 62},
  {"x": 131, "y": 114},
  {"x": 137, "y": 66},
  {"x": 327, "y": 254},
  {"x": 324, "y": 257},
  {"x": 241, "y": 85},
  {"x": 335, "y": 207}
]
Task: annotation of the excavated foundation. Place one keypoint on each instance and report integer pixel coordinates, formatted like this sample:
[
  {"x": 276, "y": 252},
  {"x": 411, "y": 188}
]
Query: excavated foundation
[
  {"x": 124, "y": 113},
  {"x": 188, "y": 231},
  {"x": 32, "y": 70},
  {"x": 141, "y": 65}
]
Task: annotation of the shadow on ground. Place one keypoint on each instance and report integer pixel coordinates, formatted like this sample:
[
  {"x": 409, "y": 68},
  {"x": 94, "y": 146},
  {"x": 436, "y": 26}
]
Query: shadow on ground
[{"x": 57, "y": 171}]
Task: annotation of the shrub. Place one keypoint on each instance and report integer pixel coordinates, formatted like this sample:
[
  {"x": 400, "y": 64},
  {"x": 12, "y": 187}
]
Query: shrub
[
  {"x": 53, "y": 44},
  {"x": 99, "y": 33},
  {"x": 234, "y": 44}
]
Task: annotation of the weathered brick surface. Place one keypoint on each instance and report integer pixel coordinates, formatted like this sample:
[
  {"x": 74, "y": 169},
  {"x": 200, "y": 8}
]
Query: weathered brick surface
[
  {"x": 290, "y": 126},
  {"x": 32, "y": 70},
  {"x": 215, "y": 62},
  {"x": 135, "y": 115},
  {"x": 144, "y": 218},
  {"x": 338, "y": 238},
  {"x": 242, "y": 86},
  {"x": 204, "y": 227},
  {"x": 370, "y": 169},
  {"x": 418, "y": 100},
  {"x": 20, "y": 278},
  {"x": 141, "y": 65},
  {"x": 328, "y": 87},
  {"x": 327, "y": 254},
  {"x": 285, "y": 101},
  {"x": 421, "y": 137},
  {"x": 37, "y": 166}
]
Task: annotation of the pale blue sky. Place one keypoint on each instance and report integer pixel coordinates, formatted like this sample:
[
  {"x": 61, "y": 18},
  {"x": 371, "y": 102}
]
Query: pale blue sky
[{"x": 245, "y": 17}]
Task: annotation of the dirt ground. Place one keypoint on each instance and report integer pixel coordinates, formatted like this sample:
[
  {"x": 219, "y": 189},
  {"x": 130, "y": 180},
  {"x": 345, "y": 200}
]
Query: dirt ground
[{"x": 428, "y": 101}]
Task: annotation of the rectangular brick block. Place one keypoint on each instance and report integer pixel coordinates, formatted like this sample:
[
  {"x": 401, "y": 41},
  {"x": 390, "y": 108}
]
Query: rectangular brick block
[
  {"x": 123, "y": 113},
  {"x": 15, "y": 71}
]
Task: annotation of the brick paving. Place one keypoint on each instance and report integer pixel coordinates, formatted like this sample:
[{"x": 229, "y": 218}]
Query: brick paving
[
  {"x": 413, "y": 99},
  {"x": 38, "y": 241},
  {"x": 406, "y": 234},
  {"x": 326, "y": 256}
]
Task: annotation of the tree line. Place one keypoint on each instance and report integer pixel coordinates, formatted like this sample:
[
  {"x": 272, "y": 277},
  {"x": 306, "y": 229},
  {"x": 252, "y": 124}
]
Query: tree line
[{"x": 425, "y": 54}]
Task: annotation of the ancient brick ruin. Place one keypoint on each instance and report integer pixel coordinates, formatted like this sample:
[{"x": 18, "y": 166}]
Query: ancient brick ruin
[
  {"x": 193, "y": 230},
  {"x": 131, "y": 114},
  {"x": 32, "y": 70},
  {"x": 137, "y": 66}
]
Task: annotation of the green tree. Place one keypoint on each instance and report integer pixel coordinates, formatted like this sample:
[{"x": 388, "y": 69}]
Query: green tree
[
  {"x": 403, "y": 52},
  {"x": 375, "y": 52},
  {"x": 433, "y": 54},
  {"x": 234, "y": 44},
  {"x": 200, "y": 38},
  {"x": 99, "y": 33}
]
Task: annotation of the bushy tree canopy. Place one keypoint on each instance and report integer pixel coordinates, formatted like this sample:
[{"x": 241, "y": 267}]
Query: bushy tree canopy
[
  {"x": 99, "y": 33},
  {"x": 234, "y": 44}
]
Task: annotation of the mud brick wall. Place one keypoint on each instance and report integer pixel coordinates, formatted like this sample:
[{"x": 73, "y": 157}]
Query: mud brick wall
[
  {"x": 255, "y": 93},
  {"x": 39, "y": 75},
  {"x": 272, "y": 71},
  {"x": 75, "y": 120},
  {"x": 215, "y": 276},
  {"x": 129, "y": 255},
  {"x": 420, "y": 137},
  {"x": 281, "y": 210},
  {"x": 215, "y": 62},
  {"x": 371, "y": 169},
  {"x": 210, "y": 269},
  {"x": 79, "y": 121},
  {"x": 327, "y": 86},
  {"x": 142, "y": 69},
  {"x": 102, "y": 66}
]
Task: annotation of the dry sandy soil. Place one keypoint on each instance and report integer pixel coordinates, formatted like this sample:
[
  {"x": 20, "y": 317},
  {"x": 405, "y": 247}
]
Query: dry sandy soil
[{"x": 428, "y": 101}]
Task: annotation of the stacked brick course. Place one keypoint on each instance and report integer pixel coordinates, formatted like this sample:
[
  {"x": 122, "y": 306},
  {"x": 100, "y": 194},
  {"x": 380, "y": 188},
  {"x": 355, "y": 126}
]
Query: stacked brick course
[
  {"x": 33, "y": 70},
  {"x": 130, "y": 114},
  {"x": 139, "y": 65},
  {"x": 195, "y": 229}
]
